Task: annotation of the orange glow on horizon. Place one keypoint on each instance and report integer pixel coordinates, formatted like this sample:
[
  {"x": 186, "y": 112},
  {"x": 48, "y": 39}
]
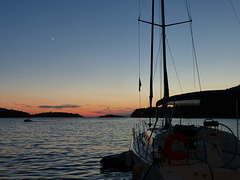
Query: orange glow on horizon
[
  {"x": 87, "y": 108},
  {"x": 91, "y": 114},
  {"x": 85, "y": 112}
]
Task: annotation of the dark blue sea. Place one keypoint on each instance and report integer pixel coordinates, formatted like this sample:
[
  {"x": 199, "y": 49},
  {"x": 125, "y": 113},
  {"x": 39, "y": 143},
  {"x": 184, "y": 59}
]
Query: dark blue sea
[
  {"x": 65, "y": 148},
  {"x": 62, "y": 148}
]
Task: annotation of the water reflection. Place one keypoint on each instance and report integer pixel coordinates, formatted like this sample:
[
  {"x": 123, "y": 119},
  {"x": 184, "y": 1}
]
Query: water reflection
[{"x": 67, "y": 148}]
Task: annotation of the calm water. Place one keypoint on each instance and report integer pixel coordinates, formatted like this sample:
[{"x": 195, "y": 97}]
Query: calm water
[
  {"x": 61, "y": 148},
  {"x": 65, "y": 148}
]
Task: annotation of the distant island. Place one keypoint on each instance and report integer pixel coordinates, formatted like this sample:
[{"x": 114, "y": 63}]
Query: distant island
[
  {"x": 110, "y": 116},
  {"x": 212, "y": 104},
  {"x": 11, "y": 113}
]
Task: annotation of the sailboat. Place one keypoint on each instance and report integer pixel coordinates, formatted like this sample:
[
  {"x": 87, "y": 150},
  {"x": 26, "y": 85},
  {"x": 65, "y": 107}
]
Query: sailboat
[{"x": 182, "y": 152}]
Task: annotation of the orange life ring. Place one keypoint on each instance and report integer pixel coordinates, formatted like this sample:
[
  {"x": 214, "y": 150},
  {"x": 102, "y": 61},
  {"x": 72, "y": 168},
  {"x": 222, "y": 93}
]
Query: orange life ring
[{"x": 168, "y": 146}]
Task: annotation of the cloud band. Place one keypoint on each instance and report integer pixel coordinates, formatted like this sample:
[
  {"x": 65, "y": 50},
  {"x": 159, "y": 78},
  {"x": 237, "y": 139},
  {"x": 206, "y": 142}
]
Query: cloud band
[{"x": 59, "y": 107}]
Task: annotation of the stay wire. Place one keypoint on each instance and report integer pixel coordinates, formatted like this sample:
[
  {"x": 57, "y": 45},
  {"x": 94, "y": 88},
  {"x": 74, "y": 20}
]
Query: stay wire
[
  {"x": 195, "y": 58},
  {"x": 140, "y": 8},
  {"x": 187, "y": 3},
  {"x": 174, "y": 67},
  {"x": 139, "y": 63},
  {"x": 139, "y": 50},
  {"x": 187, "y": 6},
  {"x": 159, "y": 59},
  {"x": 235, "y": 13}
]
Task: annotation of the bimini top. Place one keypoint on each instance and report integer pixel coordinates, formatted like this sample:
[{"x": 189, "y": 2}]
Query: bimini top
[{"x": 194, "y": 98}]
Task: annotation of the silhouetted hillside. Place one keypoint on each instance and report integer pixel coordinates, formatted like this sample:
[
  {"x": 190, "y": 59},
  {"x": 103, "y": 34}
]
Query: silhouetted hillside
[
  {"x": 235, "y": 88},
  {"x": 9, "y": 113},
  {"x": 110, "y": 116},
  {"x": 212, "y": 104}
]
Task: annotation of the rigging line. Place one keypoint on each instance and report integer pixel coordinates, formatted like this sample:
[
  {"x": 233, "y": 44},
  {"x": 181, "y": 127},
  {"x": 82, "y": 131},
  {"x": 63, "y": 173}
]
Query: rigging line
[
  {"x": 159, "y": 58},
  {"x": 161, "y": 77},
  {"x": 174, "y": 66},
  {"x": 139, "y": 42},
  {"x": 159, "y": 47},
  {"x": 187, "y": 6},
  {"x": 234, "y": 12},
  {"x": 140, "y": 8},
  {"x": 139, "y": 64},
  {"x": 158, "y": 55},
  {"x": 187, "y": 3},
  {"x": 139, "y": 56},
  {"x": 194, "y": 72},
  {"x": 139, "y": 50},
  {"x": 195, "y": 57}
]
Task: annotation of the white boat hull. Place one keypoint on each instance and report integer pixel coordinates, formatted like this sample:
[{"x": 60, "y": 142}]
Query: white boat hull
[{"x": 168, "y": 169}]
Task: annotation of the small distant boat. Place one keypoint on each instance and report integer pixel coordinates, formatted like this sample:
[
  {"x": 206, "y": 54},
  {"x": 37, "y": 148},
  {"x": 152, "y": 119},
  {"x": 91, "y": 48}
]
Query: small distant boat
[{"x": 28, "y": 120}]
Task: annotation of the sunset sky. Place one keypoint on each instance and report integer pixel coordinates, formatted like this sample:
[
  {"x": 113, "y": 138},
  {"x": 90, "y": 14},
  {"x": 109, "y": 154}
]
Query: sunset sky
[{"x": 81, "y": 56}]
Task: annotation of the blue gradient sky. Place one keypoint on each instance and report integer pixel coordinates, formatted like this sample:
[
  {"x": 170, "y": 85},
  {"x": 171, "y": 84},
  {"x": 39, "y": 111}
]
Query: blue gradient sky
[{"x": 81, "y": 56}]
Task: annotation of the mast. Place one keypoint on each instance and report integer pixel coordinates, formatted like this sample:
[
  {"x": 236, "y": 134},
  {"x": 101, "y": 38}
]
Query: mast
[
  {"x": 151, "y": 67},
  {"x": 165, "y": 76},
  {"x": 166, "y": 88}
]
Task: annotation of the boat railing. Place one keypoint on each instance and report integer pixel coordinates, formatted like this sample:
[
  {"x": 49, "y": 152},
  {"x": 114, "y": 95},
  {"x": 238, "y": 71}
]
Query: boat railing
[
  {"x": 142, "y": 144},
  {"x": 238, "y": 124},
  {"x": 136, "y": 132}
]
